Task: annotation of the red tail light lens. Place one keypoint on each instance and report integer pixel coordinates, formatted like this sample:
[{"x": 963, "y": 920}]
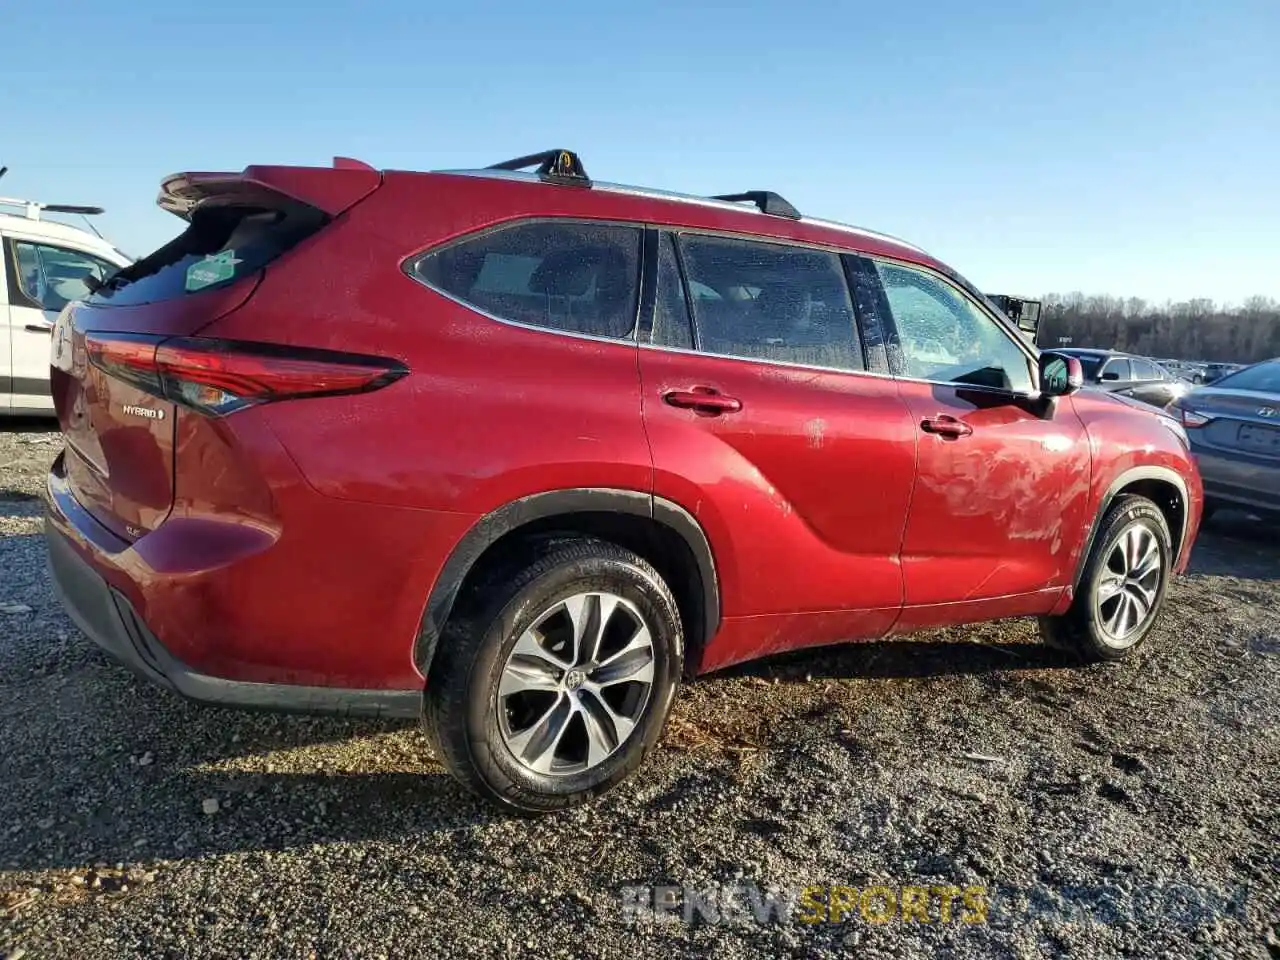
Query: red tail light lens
[
  {"x": 1191, "y": 419},
  {"x": 219, "y": 377}
]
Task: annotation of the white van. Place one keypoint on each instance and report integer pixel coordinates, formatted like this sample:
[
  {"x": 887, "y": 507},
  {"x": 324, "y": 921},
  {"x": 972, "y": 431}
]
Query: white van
[{"x": 44, "y": 266}]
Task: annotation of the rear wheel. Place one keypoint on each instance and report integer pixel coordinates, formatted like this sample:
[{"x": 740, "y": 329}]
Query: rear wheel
[
  {"x": 554, "y": 679},
  {"x": 1122, "y": 590}
]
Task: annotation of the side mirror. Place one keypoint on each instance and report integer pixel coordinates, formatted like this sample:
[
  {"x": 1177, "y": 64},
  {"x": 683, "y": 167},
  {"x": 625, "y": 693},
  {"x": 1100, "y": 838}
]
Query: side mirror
[
  {"x": 1060, "y": 375},
  {"x": 1110, "y": 375}
]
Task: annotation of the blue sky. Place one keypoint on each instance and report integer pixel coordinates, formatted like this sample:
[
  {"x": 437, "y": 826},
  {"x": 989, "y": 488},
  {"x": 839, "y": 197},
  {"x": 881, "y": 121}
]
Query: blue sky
[{"x": 1128, "y": 147}]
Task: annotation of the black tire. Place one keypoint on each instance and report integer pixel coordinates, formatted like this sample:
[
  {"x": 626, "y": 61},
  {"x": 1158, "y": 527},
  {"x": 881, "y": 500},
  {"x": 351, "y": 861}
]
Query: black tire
[
  {"x": 461, "y": 708},
  {"x": 1083, "y": 630}
]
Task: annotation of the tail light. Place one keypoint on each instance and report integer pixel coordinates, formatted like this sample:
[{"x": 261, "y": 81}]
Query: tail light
[
  {"x": 219, "y": 377},
  {"x": 1189, "y": 418}
]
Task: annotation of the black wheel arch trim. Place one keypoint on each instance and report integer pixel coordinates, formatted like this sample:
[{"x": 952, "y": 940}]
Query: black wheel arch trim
[
  {"x": 539, "y": 506},
  {"x": 1127, "y": 478}
]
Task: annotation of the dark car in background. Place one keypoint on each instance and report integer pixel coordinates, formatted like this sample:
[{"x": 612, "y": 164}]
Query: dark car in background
[
  {"x": 1234, "y": 429},
  {"x": 1135, "y": 377},
  {"x": 1213, "y": 372}
]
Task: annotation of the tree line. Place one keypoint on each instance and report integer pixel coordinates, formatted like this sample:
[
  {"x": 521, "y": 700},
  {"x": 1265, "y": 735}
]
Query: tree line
[{"x": 1188, "y": 330}]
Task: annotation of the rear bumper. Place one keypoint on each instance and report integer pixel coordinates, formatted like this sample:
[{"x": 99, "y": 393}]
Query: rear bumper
[
  {"x": 108, "y": 618},
  {"x": 1238, "y": 478}
]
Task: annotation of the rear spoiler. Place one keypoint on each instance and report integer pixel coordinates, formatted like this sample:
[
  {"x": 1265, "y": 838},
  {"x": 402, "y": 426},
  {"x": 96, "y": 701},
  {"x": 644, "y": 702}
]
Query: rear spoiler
[{"x": 329, "y": 189}]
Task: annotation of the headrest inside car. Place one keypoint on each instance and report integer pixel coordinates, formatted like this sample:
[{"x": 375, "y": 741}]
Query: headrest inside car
[{"x": 570, "y": 273}]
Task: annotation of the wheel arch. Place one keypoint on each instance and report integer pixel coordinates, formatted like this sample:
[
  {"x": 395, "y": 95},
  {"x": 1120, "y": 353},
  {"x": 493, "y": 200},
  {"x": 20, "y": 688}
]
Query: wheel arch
[
  {"x": 650, "y": 526},
  {"x": 1163, "y": 486}
]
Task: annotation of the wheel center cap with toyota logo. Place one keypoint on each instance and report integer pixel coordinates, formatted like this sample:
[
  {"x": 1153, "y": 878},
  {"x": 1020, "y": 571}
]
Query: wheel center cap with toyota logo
[{"x": 574, "y": 679}]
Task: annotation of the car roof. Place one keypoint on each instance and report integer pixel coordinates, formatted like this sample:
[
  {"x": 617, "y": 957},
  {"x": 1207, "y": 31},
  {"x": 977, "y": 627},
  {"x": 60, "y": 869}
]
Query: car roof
[
  {"x": 52, "y": 230},
  {"x": 754, "y": 221}
]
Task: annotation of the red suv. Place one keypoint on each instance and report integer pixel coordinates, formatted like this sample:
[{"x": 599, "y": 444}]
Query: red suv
[{"x": 516, "y": 451}]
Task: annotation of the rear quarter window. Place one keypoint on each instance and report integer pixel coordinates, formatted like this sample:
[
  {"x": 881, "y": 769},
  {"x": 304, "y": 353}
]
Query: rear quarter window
[
  {"x": 575, "y": 277},
  {"x": 220, "y": 245}
]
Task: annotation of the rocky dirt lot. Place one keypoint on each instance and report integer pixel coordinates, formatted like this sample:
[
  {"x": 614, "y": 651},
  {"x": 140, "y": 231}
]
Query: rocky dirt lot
[{"x": 1132, "y": 810}]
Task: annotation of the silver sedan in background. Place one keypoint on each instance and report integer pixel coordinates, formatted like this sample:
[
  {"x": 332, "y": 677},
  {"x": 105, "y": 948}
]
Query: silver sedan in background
[{"x": 1234, "y": 429}]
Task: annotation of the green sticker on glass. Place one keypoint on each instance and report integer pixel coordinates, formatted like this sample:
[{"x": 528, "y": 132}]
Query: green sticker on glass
[{"x": 214, "y": 268}]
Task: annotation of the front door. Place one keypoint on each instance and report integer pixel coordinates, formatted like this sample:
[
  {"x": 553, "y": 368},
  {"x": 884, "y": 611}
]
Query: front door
[
  {"x": 766, "y": 425},
  {"x": 42, "y": 279},
  {"x": 1002, "y": 482}
]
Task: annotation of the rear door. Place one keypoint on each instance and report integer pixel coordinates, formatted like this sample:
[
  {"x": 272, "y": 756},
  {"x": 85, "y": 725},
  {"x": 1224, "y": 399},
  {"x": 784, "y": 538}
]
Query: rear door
[
  {"x": 768, "y": 422},
  {"x": 1002, "y": 482},
  {"x": 44, "y": 277}
]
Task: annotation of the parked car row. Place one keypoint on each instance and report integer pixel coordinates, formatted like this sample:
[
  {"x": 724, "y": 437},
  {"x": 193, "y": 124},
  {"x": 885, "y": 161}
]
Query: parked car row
[{"x": 1198, "y": 372}]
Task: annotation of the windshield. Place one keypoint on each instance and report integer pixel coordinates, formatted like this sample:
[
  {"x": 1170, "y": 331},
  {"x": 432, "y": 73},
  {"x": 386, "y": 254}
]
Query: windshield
[{"x": 1262, "y": 377}]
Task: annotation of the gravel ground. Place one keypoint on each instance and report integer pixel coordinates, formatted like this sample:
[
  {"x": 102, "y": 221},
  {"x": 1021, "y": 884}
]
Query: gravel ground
[{"x": 1129, "y": 810}]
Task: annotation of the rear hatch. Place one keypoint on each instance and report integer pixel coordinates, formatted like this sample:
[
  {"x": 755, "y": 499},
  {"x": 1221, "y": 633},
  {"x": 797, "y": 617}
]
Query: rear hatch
[{"x": 114, "y": 354}]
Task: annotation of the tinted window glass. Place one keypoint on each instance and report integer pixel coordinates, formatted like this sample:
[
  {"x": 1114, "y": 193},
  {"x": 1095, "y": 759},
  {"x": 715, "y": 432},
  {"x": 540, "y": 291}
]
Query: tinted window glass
[
  {"x": 1116, "y": 370},
  {"x": 219, "y": 246},
  {"x": 54, "y": 276},
  {"x": 577, "y": 277},
  {"x": 671, "y": 327},
  {"x": 771, "y": 301},
  {"x": 944, "y": 336}
]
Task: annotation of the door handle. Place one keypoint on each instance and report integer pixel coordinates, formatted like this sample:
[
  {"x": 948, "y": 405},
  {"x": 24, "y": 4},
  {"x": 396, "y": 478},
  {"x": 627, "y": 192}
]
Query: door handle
[
  {"x": 703, "y": 400},
  {"x": 40, "y": 328},
  {"x": 947, "y": 427}
]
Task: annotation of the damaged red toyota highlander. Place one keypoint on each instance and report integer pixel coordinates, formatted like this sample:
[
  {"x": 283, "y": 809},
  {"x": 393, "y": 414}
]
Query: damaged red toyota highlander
[{"x": 517, "y": 452}]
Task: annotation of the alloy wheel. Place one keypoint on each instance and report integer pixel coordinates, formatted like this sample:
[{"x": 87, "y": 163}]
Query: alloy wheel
[
  {"x": 576, "y": 684},
  {"x": 1125, "y": 597}
]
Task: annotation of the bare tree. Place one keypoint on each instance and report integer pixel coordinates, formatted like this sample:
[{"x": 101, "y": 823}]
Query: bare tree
[{"x": 1196, "y": 329}]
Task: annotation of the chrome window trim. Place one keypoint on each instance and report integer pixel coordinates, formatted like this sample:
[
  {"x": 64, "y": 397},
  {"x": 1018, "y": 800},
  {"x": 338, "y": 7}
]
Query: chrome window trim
[
  {"x": 409, "y": 265},
  {"x": 662, "y": 348},
  {"x": 814, "y": 368},
  {"x": 789, "y": 364},
  {"x": 410, "y": 262}
]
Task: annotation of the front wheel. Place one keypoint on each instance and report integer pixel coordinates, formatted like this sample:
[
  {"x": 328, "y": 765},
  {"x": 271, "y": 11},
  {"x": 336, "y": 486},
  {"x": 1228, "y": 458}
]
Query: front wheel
[
  {"x": 1122, "y": 589},
  {"x": 553, "y": 682}
]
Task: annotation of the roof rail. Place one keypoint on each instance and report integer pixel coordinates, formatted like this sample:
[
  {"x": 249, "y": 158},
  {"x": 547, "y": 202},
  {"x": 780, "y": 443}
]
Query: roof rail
[
  {"x": 556, "y": 166},
  {"x": 33, "y": 208},
  {"x": 564, "y": 166},
  {"x": 768, "y": 202}
]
